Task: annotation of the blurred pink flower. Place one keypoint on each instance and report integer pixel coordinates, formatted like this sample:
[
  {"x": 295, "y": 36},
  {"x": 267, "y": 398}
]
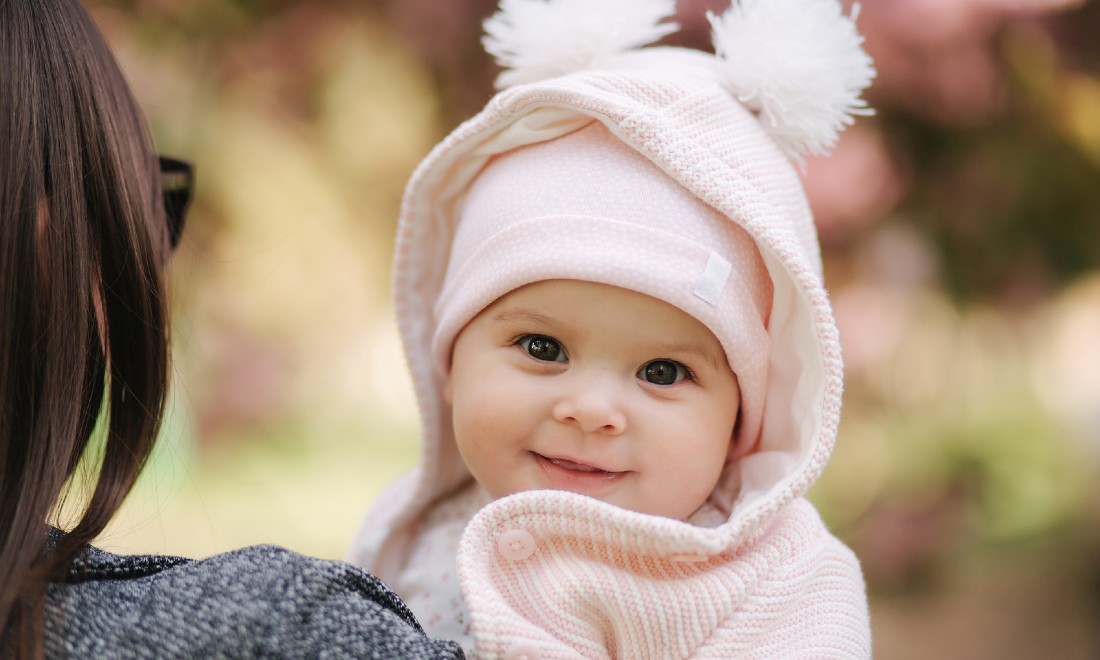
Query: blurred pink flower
[
  {"x": 1029, "y": 6},
  {"x": 894, "y": 272},
  {"x": 447, "y": 38},
  {"x": 933, "y": 56},
  {"x": 938, "y": 57},
  {"x": 244, "y": 383},
  {"x": 872, "y": 321},
  {"x": 855, "y": 187},
  {"x": 901, "y": 543}
]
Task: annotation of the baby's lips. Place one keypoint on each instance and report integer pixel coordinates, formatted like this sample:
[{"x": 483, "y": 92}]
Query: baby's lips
[
  {"x": 577, "y": 466},
  {"x": 572, "y": 465}
]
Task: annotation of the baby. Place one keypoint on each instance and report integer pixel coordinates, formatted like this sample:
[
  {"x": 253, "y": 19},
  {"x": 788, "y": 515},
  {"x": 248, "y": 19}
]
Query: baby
[{"x": 610, "y": 298}]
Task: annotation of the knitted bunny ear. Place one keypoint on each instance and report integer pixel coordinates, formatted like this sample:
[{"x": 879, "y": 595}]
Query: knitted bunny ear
[
  {"x": 539, "y": 39},
  {"x": 799, "y": 64}
]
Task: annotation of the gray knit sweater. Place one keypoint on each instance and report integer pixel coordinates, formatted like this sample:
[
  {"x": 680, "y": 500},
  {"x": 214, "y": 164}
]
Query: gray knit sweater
[{"x": 258, "y": 602}]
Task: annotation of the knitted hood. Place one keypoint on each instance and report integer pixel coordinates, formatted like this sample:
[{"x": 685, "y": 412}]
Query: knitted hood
[{"x": 675, "y": 108}]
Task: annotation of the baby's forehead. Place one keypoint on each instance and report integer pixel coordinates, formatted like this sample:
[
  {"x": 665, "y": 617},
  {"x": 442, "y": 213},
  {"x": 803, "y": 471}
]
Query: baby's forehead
[{"x": 574, "y": 303}]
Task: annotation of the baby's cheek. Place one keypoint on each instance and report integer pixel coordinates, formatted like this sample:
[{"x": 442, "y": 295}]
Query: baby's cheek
[
  {"x": 481, "y": 423},
  {"x": 478, "y": 414},
  {"x": 699, "y": 474}
]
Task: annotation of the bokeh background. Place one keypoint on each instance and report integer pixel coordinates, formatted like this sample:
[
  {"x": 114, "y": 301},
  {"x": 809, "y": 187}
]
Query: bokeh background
[{"x": 961, "y": 235}]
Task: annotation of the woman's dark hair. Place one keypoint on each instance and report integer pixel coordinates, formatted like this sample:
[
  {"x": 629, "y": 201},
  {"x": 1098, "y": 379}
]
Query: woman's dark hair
[{"x": 83, "y": 325}]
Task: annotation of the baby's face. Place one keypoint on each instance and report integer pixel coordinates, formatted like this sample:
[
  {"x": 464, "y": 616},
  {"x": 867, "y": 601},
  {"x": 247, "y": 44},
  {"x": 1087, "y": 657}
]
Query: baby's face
[{"x": 594, "y": 389}]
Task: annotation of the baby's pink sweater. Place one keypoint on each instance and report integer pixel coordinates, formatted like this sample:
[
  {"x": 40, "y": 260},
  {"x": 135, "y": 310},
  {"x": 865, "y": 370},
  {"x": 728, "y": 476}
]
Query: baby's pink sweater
[{"x": 564, "y": 576}]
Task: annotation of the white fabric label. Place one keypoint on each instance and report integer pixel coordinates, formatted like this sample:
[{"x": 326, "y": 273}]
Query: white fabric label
[{"x": 714, "y": 278}]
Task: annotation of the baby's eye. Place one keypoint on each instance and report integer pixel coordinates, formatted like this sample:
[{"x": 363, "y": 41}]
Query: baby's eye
[
  {"x": 663, "y": 372},
  {"x": 542, "y": 348}
]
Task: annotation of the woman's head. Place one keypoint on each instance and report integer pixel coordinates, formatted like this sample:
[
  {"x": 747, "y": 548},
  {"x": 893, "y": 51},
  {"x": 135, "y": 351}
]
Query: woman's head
[{"x": 83, "y": 327}]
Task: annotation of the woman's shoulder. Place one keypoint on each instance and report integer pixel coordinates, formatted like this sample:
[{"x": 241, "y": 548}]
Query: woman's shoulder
[{"x": 257, "y": 601}]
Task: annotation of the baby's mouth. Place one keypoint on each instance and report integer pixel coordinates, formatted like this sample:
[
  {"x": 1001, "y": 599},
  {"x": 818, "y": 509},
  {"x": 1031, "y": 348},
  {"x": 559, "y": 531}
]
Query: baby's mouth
[
  {"x": 570, "y": 465},
  {"x": 567, "y": 474}
]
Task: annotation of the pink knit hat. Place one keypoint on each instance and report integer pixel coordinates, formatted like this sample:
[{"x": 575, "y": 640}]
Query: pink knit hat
[{"x": 585, "y": 206}]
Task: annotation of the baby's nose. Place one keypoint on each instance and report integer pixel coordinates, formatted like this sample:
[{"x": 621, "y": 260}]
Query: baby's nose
[{"x": 595, "y": 408}]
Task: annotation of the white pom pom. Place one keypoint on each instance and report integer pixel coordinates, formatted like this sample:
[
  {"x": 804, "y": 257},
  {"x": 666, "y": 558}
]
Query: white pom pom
[
  {"x": 540, "y": 39},
  {"x": 800, "y": 64}
]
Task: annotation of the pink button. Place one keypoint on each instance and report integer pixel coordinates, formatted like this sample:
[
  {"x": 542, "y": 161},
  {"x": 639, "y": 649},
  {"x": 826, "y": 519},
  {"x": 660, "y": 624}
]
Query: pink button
[
  {"x": 516, "y": 544},
  {"x": 522, "y": 651}
]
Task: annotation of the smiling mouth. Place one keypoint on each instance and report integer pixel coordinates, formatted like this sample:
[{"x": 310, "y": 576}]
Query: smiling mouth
[
  {"x": 570, "y": 465},
  {"x": 577, "y": 477}
]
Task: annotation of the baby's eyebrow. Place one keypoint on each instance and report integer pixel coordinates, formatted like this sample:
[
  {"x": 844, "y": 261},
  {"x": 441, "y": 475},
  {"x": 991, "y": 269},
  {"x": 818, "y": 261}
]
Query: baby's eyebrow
[{"x": 523, "y": 315}]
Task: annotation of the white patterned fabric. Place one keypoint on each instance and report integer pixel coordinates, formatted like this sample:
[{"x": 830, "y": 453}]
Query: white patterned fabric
[{"x": 429, "y": 586}]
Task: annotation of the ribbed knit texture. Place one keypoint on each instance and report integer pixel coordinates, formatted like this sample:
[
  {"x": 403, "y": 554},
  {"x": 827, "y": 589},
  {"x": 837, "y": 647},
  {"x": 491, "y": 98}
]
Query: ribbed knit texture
[{"x": 583, "y": 592}]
